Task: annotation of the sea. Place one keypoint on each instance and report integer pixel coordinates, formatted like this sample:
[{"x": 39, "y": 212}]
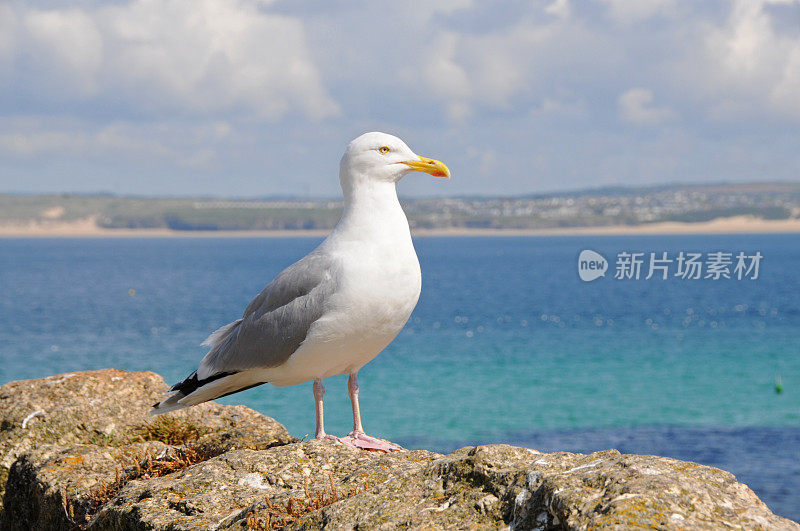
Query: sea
[{"x": 507, "y": 345}]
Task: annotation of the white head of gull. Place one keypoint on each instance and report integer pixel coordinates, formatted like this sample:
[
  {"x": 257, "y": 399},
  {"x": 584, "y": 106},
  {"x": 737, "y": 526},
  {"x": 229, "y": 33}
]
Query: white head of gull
[{"x": 336, "y": 308}]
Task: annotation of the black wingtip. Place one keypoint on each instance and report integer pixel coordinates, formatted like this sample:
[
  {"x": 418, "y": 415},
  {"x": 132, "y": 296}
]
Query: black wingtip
[
  {"x": 192, "y": 383},
  {"x": 243, "y": 389}
]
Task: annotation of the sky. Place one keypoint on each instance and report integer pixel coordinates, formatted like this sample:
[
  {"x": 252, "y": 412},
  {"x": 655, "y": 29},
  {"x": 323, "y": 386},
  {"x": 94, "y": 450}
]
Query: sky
[{"x": 254, "y": 98}]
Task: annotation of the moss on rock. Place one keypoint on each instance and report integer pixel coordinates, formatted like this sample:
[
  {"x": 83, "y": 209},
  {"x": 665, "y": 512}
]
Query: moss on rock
[{"x": 91, "y": 459}]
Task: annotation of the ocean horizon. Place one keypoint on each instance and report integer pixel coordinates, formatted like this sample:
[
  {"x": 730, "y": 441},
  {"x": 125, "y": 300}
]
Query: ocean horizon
[{"x": 507, "y": 343}]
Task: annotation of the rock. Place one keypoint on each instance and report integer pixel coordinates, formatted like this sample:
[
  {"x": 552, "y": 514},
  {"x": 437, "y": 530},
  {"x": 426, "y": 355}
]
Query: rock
[
  {"x": 58, "y": 487},
  {"x": 497, "y": 486},
  {"x": 110, "y": 408},
  {"x": 192, "y": 499},
  {"x": 484, "y": 487},
  {"x": 237, "y": 477}
]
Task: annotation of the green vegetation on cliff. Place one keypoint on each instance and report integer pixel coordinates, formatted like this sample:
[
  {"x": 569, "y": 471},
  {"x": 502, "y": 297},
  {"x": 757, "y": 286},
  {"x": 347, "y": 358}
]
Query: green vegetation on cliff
[{"x": 594, "y": 208}]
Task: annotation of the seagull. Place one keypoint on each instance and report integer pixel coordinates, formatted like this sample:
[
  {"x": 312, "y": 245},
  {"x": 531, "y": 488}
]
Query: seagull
[{"x": 335, "y": 309}]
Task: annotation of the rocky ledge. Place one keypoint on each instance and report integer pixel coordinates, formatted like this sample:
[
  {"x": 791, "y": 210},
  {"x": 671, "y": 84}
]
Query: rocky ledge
[{"x": 77, "y": 451}]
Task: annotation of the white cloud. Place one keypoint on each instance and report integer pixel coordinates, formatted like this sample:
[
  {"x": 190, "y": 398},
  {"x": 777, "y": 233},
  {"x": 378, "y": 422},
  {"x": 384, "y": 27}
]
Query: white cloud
[
  {"x": 747, "y": 65},
  {"x": 8, "y": 22},
  {"x": 446, "y": 78},
  {"x": 8, "y": 25},
  {"x": 183, "y": 145},
  {"x": 428, "y": 8},
  {"x": 29, "y": 144},
  {"x": 636, "y": 106},
  {"x": 560, "y": 107},
  {"x": 469, "y": 71},
  {"x": 175, "y": 56},
  {"x": 627, "y": 11},
  {"x": 485, "y": 161},
  {"x": 559, "y": 8},
  {"x": 786, "y": 93},
  {"x": 169, "y": 85},
  {"x": 66, "y": 45}
]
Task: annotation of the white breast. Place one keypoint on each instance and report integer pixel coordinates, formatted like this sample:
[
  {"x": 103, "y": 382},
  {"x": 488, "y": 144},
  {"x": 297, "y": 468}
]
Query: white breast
[
  {"x": 378, "y": 288},
  {"x": 378, "y": 284}
]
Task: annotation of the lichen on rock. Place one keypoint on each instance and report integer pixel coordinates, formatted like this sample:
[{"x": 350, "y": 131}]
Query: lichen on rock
[
  {"x": 80, "y": 465},
  {"x": 108, "y": 409}
]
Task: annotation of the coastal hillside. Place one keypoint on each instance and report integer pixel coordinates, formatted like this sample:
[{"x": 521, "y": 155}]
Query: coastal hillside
[
  {"x": 77, "y": 451},
  {"x": 632, "y": 207}
]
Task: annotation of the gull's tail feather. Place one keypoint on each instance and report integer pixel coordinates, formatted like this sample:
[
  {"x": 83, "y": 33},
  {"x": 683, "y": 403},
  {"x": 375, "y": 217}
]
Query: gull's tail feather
[
  {"x": 220, "y": 334},
  {"x": 168, "y": 404},
  {"x": 193, "y": 391}
]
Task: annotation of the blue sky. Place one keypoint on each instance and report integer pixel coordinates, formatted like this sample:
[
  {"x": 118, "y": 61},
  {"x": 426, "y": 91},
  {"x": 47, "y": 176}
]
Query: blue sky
[{"x": 257, "y": 98}]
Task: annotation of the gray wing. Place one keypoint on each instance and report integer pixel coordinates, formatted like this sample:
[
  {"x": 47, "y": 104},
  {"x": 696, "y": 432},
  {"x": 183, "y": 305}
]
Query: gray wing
[{"x": 276, "y": 322}]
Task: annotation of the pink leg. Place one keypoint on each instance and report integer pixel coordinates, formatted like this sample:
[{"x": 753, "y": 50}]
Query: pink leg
[
  {"x": 319, "y": 392},
  {"x": 357, "y": 437}
]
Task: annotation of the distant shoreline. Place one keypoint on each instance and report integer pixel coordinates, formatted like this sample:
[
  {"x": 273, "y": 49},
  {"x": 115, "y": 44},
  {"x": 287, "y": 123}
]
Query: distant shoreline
[{"x": 731, "y": 225}]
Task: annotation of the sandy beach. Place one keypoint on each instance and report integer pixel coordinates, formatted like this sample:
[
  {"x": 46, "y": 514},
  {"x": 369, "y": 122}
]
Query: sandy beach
[{"x": 88, "y": 228}]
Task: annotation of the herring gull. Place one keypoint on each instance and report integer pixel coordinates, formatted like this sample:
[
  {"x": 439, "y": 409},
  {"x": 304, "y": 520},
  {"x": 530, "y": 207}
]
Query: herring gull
[{"x": 335, "y": 309}]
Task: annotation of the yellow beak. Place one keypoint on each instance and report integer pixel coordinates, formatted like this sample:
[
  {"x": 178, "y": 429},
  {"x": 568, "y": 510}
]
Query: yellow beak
[{"x": 432, "y": 166}]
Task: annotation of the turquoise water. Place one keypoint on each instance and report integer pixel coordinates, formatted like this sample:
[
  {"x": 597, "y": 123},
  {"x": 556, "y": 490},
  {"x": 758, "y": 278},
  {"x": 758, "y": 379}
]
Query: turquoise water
[{"x": 506, "y": 344}]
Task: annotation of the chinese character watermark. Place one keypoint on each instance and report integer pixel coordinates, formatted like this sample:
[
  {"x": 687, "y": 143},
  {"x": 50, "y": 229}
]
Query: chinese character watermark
[{"x": 684, "y": 265}]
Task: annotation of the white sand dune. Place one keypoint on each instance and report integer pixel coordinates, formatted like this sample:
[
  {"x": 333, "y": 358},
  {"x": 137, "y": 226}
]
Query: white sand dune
[{"x": 732, "y": 225}]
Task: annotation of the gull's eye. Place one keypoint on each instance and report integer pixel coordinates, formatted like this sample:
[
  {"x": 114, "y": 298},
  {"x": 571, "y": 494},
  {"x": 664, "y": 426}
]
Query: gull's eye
[{"x": 384, "y": 150}]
